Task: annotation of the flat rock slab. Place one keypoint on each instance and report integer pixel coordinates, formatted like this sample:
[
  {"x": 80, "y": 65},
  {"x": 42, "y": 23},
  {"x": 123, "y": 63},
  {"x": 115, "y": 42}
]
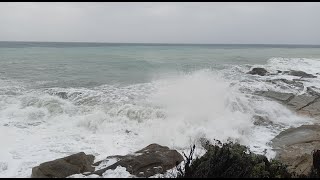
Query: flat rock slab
[
  {"x": 295, "y": 82},
  {"x": 151, "y": 160},
  {"x": 277, "y": 95},
  {"x": 306, "y": 104},
  {"x": 294, "y": 147},
  {"x": 301, "y": 101},
  {"x": 312, "y": 109},
  {"x": 302, "y": 134},
  {"x": 64, "y": 167}
]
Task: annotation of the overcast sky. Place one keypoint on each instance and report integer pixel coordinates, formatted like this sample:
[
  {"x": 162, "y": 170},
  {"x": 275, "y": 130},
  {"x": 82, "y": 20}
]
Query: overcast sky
[{"x": 161, "y": 22}]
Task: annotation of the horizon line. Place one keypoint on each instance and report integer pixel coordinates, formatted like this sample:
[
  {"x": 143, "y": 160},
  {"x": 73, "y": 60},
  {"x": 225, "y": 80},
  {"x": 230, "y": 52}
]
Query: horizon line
[{"x": 159, "y": 43}]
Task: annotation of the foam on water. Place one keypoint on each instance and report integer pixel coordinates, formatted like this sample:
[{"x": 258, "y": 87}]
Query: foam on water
[{"x": 38, "y": 125}]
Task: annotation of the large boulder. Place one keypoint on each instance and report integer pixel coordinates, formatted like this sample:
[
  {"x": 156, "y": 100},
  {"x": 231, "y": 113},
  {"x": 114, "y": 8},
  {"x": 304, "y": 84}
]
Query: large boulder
[
  {"x": 294, "y": 147},
  {"x": 151, "y": 160},
  {"x": 258, "y": 71},
  {"x": 64, "y": 167}
]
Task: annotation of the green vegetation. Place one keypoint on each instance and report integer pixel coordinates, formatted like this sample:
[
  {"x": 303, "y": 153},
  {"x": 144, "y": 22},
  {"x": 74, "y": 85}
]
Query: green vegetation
[{"x": 232, "y": 160}]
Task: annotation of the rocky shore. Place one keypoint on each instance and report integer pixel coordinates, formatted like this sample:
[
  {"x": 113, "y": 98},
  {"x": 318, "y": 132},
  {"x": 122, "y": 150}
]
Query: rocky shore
[
  {"x": 151, "y": 160},
  {"x": 294, "y": 147}
]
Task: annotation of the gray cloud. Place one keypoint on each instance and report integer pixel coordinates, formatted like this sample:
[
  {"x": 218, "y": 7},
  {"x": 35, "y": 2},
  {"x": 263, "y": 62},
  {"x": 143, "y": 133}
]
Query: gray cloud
[{"x": 284, "y": 23}]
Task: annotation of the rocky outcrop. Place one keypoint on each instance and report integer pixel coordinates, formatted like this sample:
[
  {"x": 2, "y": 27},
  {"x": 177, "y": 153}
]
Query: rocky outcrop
[
  {"x": 258, "y": 71},
  {"x": 305, "y": 104},
  {"x": 64, "y": 167},
  {"x": 151, "y": 160},
  {"x": 294, "y": 147},
  {"x": 312, "y": 109},
  {"x": 300, "y": 101},
  {"x": 301, "y": 74}
]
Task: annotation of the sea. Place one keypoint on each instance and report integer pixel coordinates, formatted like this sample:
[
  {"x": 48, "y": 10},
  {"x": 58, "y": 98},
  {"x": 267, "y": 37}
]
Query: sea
[{"x": 61, "y": 98}]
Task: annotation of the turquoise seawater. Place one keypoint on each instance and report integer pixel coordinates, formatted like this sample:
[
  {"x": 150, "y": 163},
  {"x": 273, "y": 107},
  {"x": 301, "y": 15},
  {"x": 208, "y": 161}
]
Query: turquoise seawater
[{"x": 48, "y": 64}]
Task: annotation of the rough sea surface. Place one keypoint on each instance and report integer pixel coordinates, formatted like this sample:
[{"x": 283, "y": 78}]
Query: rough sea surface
[{"x": 57, "y": 99}]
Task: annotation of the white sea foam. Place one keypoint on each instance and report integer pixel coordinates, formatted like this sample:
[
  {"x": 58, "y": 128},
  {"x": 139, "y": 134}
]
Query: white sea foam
[{"x": 41, "y": 125}]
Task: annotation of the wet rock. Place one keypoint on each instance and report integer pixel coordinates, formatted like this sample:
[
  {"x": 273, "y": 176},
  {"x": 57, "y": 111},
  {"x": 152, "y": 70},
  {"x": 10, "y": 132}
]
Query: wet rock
[
  {"x": 307, "y": 104},
  {"x": 294, "y": 83},
  {"x": 301, "y": 74},
  {"x": 300, "y": 101},
  {"x": 313, "y": 91},
  {"x": 294, "y": 147},
  {"x": 64, "y": 167},
  {"x": 302, "y": 134},
  {"x": 277, "y": 95},
  {"x": 62, "y": 95},
  {"x": 258, "y": 71},
  {"x": 146, "y": 162},
  {"x": 261, "y": 121},
  {"x": 316, "y": 161},
  {"x": 313, "y": 109},
  {"x": 127, "y": 131}
]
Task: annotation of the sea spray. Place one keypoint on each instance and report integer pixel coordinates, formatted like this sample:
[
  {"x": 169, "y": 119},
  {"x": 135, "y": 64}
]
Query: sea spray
[{"x": 38, "y": 125}]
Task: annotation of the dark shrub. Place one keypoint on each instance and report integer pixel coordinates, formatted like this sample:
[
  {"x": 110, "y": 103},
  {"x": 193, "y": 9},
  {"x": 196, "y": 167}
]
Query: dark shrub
[{"x": 231, "y": 160}]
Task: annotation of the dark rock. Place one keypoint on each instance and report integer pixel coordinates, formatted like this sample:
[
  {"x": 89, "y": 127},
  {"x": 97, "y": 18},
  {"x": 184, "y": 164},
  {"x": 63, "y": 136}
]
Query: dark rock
[
  {"x": 301, "y": 74},
  {"x": 64, "y": 167},
  {"x": 316, "y": 160},
  {"x": 147, "y": 162},
  {"x": 279, "y": 71},
  {"x": 62, "y": 95},
  {"x": 261, "y": 121},
  {"x": 294, "y": 82},
  {"x": 127, "y": 131},
  {"x": 258, "y": 71}
]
